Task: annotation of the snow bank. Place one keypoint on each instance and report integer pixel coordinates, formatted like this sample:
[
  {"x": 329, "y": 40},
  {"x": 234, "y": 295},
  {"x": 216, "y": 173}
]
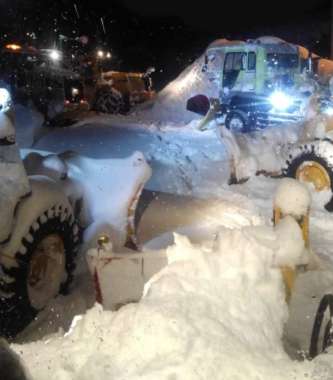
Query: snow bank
[
  {"x": 292, "y": 197},
  {"x": 183, "y": 159},
  {"x": 208, "y": 309},
  {"x": 170, "y": 104},
  {"x": 262, "y": 150}
]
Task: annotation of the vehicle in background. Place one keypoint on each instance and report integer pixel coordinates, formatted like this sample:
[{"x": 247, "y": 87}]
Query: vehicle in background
[
  {"x": 261, "y": 82},
  {"x": 40, "y": 76},
  {"x": 110, "y": 91}
]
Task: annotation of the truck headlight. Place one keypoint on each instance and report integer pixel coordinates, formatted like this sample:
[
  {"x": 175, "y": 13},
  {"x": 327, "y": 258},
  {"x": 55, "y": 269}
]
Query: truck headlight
[
  {"x": 55, "y": 55},
  {"x": 280, "y": 100},
  {"x": 5, "y": 100},
  {"x": 328, "y": 111}
]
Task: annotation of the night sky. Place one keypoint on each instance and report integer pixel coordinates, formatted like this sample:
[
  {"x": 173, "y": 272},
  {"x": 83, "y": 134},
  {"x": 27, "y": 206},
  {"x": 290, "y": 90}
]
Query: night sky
[{"x": 167, "y": 34}]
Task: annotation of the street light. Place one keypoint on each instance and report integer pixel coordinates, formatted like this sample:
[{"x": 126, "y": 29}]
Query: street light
[{"x": 100, "y": 54}]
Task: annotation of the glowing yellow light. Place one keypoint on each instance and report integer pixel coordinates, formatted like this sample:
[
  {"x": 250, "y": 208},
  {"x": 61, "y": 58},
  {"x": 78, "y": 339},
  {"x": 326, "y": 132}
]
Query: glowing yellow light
[{"x": 14, "y": 47}]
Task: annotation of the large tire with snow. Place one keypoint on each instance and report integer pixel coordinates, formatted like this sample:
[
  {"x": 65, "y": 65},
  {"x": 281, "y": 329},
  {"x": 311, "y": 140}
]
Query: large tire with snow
[
  {"x": 236, "y": 122},
  {"x": 43, "y": 268},
  {"x": 312, "y": 163},
  {"x": 109, "y": 100}
]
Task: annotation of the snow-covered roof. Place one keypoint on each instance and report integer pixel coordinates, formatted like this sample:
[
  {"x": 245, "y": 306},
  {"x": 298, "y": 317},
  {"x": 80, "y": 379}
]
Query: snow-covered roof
[
  {"x": 272, "y": 44},
  {"x": 221, "y": 42},
  {"x": 270, "y": 40}
]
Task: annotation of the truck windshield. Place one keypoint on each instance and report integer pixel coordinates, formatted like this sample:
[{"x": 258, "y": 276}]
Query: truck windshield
[{"x": 284, "y": 61}]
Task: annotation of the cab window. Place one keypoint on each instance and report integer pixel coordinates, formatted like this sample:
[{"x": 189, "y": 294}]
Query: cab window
[
  {"x": 251, "y": 61},
  {"x": 234, "y": 61}
]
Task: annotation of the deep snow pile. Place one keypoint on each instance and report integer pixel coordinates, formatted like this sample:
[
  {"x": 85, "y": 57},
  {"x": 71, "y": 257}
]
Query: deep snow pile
[
  {"x": 184, "y": 160},
  {"x": 170, "y": 104},
  {"x": 210, "y": 308},
  {"x": 262, "y": 150}
]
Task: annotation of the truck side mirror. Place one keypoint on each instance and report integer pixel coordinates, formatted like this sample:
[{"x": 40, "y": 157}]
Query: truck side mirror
[{"x": 199, "y": 104}]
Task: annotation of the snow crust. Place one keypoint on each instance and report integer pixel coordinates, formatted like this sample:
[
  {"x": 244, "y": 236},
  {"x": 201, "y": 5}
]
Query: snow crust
[{"x": 292, "y": 197}]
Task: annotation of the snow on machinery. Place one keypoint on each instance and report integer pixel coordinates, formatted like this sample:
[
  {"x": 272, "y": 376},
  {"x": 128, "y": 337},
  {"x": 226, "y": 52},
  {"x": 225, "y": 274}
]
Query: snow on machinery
[
  {"x": 310, "y": 159},
  {"x": 261, "y": 82},
  {"x": 269, "y": 82},
  {"x": 123, "y": 277},
  {"x": 46, "y": 203}
]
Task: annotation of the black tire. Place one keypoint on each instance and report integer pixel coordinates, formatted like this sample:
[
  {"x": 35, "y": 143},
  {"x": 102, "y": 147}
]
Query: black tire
[
  {"x": 325, "y": 305},
  {"x": 108, "y": 100},
  {"x": 234, "y": 117},
  {"x": 311, "y": 152},
  {"x": 16, "y": 310}
]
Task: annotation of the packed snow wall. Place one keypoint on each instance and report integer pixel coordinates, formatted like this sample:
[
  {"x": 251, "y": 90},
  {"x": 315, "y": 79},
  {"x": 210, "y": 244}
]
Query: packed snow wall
[{"x": 170, "y": 104}]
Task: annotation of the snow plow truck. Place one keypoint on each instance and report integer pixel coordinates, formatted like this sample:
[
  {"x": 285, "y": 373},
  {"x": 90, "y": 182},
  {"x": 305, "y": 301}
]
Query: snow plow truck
[
  {"x": 110, "y": 91},
  {"x": 47, "y": 208},
  {"x": 262, "y": 82}
]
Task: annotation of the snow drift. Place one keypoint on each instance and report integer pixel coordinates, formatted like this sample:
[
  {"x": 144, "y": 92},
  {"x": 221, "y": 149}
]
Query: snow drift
[
  {"x": 170, "y": 104},
  {"x": 210, "y": 308}
]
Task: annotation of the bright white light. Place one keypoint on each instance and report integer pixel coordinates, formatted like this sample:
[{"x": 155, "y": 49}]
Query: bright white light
[
  {"x": 75, "y": 91},
  {"x": 5, "y": 99},
  {"x": 280, "y": 100},
  {"x": 329, "y": 111},
  {"x": 54, "y": 55},
  {"x": 108, "y": 55},
  {"x": 100, "y": 54}
]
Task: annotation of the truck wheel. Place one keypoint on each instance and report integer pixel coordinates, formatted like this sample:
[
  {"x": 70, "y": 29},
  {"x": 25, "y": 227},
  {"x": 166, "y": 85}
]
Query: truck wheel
[
  {"x": 235, "y": 122},
  {"x": 109, "y": 100},
  {"x": 41, "y": 269},
  {"x": 310, "y": 164}
]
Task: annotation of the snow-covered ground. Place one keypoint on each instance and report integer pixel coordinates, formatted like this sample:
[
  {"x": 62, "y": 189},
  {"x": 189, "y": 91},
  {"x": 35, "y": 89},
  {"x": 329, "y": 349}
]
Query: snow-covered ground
[
  {"x": 218, "y": 308},
  {"x": 214, "y": 305}
]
